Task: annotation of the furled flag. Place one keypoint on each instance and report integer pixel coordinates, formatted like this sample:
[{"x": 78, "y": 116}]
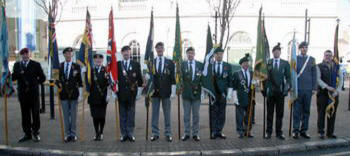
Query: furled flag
[
  {"x": 208, "y": 81},
  {"x": 85, "y": 52},
  {"x": 112, "y": 65},
  {"x": 6, "y": 80},
  {"x": 53, "y": 50},
  {"x": 260, "y": 69},
  {"x": 149, "y": 57},
  {"x": 293, "y": 69},
  {"x": 177, "y": 54}
]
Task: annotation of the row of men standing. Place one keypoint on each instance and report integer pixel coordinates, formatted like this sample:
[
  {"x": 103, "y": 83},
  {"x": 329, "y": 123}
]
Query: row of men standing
[{"x": 227, "y": 85}]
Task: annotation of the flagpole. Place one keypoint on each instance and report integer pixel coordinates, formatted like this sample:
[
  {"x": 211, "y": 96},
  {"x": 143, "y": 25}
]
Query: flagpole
[
  {"x": 117, "y": 125},
  {"x": 60, "y": 113},
  {"x": 5, "y": 116},
  {"x": 178, "y": 115},
  {"x": 264, "y": 118},
  {"x": 82, "y": 131},
  {"x": 290, "y": 119},
  {"x": 250, "y": 111},
  {"x": 147, "y": 116}
]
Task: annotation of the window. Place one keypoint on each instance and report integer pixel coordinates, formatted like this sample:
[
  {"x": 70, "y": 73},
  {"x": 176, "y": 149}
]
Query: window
[{"x": 135, "y": 51}]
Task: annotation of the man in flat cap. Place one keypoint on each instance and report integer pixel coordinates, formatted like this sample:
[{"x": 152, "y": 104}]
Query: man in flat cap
[
  {"x": 70, "y": 82},
  {"x": 223, "y": 92},
  {"x": 307, "y": 83},
  {"x": 29, "y": 76},
  {"x": 242, "y": 80}
]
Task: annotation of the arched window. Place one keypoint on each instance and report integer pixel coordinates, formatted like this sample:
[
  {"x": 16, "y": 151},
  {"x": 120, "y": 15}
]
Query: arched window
[
  {"x": 240, "y": 43},
  {"x": 186, "y": 43},
  {"x": 135, "y": 51}
]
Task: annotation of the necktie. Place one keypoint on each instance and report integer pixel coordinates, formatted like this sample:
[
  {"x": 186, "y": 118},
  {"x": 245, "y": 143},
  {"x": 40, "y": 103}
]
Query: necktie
[
  {"x": 160, "y": 65},
  {"x": 126, "y": 65},
  {"x": 246, "y": 76},
  {"x": 218, "y": 68},
  {"x": 191, "y": 70},
  {"x": 66, "y": 71},
  {"x": 276, "y": 64}
]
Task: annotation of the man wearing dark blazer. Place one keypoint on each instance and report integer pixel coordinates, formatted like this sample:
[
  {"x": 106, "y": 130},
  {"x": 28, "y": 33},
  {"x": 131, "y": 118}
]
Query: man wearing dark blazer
[
  {"x": 129, "y": 80},
  {"x": 163, "y": 79},
  {"x": 242, "y": 81},
  {"x": 29, "y": 75},
  {"x": 191, "y": 95},
  {"x": 277, "y": 87},
  {"x": 223, "y": 92},
  {"x": 71, "y": 84}
]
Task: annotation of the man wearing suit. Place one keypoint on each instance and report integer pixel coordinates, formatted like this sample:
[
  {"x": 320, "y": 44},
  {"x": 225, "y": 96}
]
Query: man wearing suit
[
  {"x": 29, "y": 76},
  {"x": 327, "y": 74},
  {"x": 71, "y": 84},
  {"x": 277, "y": 87},
  {"x": 163, "y": 79},
  {"x": 223, "y": 92},
  {"x": 129, "y": 79},
  {"x": 242, "y": 80},
  {"x": 306, "y": 70},
  {"x": 191, "y": 95}
]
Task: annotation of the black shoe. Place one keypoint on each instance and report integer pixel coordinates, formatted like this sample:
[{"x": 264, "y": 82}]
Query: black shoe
[
  {"x": 123, "y": 138},
  {"x": 36, "y": 138},
  {"x": 212, "y": 136},
  {"x": 196, "y": 138},
  {"x": 100, "y": 137},
  {"x": 42, "y": 111},
  {"x": 321, "y": 136},
  {"x": 250, "y": 136},
  {"x": 304, "y": 135},
  {"x": 221, "y": 135},
  {"x": 67, "y": 139},
  {"x": 73, "y": 139},
  {"x": 96, "y": 137},
  {"x": 169, "y": 138},
  {"x": 241, "y": 136},
  {"x": 131, "y": 138},
  {"x": 281, "y": 137},
  {"x": 295, "y": 136},
  {"x": 25, "y": 138},
  {"x": 268, "y": 136},
  {"x": 185, "y": 137},
  {"x": 154, "y": 138},
  {"x": 332, "y": 136}
]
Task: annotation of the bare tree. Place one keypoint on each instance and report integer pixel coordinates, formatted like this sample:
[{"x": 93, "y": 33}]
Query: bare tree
[
  {"x": 52, "y": 8},
  {"x": 224, "y": 11}
]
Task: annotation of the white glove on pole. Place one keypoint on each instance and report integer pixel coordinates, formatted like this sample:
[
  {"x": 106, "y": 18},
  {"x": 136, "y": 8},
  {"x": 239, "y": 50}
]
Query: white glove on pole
[
  {"x": 335, "y": 94},
  {"x": 114, "y": 96},
  {"x": 147, "y": 77},
  {"x": 202, "y": 95},
  {"x": 108, "y": 95},
  {"x": 173, "y": 91},
  {"x": 229, "y": 94},
  {"x": 80, "y": 94},
  {"x": 235, "y": 99},
  {"x": 139, "y": 91},
  {"x": 83, "y": 69}
]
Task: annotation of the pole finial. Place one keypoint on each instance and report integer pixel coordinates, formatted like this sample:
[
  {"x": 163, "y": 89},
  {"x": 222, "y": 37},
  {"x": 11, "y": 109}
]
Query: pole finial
[{"x": 338, "y": 20}]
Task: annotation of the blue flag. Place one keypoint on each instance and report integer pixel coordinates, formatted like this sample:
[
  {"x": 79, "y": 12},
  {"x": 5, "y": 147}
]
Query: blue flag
[
  {"x": 53, "y": 50},
  {"x": 294, "y": 75}
]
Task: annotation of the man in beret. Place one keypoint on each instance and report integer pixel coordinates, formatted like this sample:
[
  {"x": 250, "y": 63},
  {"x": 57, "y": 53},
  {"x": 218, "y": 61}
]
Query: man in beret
[
  {"x": 223, "y": 92},
  {"x": 242, "y": 81},
  {"x": 129, "y": 79},
  {"x": 29, "y": 76},
  {"x": 277, "y": 87},
  {"x": 70, "y": 82},
  {"x": 307, "y": 83}
]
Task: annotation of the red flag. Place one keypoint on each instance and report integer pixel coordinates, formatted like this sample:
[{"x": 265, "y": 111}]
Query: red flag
[{"x": 112, "y": 65}]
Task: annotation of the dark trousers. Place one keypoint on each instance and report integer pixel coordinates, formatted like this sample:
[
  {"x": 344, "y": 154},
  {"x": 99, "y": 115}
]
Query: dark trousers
[
  {"x": 30, "y": 108},
  {"x": 301, "y": 111},
  {"x": 127, "y": 116},
  {"x": 275, "y": 103},
  {"x": 99, "y": 124},
  {"x": 322, "y": 102},
  {"x": 242, "y": 119},
  {"x": 218, "y": 116}
]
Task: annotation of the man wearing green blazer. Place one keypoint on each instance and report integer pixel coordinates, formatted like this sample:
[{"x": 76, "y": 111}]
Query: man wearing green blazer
[
  {"x": 277, "y": 87},
  {"x": 191, "y": 95}
]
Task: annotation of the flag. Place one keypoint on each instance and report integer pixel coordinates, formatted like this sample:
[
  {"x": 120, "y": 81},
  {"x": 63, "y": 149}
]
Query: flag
[
  {"x": 177, "y": 54},
  {"x": 53, "y": 50},
  {"x": 266, "y": 42},
  {"x": 112, "y": 65},
  {"x": 208, "y": 81},
  {"x": 334, "y": 76},
  {"x": 260, "y": 69},
  {"x": 293, "y": 69},
  {"x": 85, "y": 52},
  {"x": 6, "y": 80},
  {"x": 149, "y": 57}
]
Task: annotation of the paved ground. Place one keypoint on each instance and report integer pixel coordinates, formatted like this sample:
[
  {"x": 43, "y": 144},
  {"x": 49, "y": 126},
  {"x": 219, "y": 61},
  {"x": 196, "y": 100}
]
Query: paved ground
[{"x": 51, "y": 139}]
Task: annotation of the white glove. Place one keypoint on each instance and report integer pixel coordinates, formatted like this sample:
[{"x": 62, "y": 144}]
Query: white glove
[
  {"x": 173, "y": 91},
  {"x": 80, "y": 94},
  {"x": 202, "y": 95},
  {"x": 108, "y": 95},
  {"x": 330, "y": 88},
  {"x": 139, "y": 91},
  {"x": 147, "y": 77},
  {"x": 335, "y": 94},
  {"x": 83, "y": 69},
  {"x": 254, "y": 82},
  {"x": 235, "y": 99},
  {"x": 229, "y": 94},
  {"x": 114, "y": 96}
]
